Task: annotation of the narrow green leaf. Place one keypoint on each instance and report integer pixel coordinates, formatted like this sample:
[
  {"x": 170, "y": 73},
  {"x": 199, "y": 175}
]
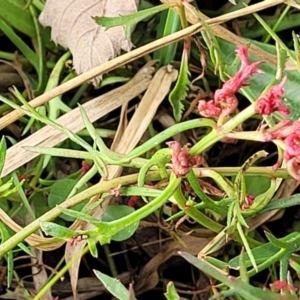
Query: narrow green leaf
[
  {"x": 180, "y": 90},
  {"x": 92, "y": 246},
  {"x": 282, "y": 203},
  {"x": 2, "y": 153},
  {"x": 113, "y": 285},
  {"x": 239, "y": 287},
  {"x": 246, "y": 245},
  {"x": 171, "y": 293},
  {"x": 9, "y": 255},
  {"x": 57, "y": 231},
  {"x": 260, "y": 253},
  {"x": 243, "y": 268},
  {"x": 171, "y": 24},
  {"x": 13, "y": 12},
  {"x": 31, "y": 56},
  {"x": 217, "y": 263},
  {"x": 131, "y": 20},
  {"x": 276, "y": 242},
  {"x": 80, "y": 215}
]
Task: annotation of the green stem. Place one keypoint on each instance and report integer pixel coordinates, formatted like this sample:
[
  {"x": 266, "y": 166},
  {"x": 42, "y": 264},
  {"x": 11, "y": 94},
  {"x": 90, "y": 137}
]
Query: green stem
[
  {"x": 168, "y": 133},
  {"x": 102, "y": 187},
  {"x": 267, "y": 263},
  {"x": 217, "y": 134},
  {"x": 111, "y": 263},
  {"x": 195, "y": 214},
  {"x": 108, "y": 229}
]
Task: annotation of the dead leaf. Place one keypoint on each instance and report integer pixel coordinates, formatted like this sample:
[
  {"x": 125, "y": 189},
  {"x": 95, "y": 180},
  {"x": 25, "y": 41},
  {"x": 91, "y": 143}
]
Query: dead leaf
[
  {"x": 41, "y": 277},
  {"x": 149, "y": 278},
  {"x": 74, "y": 28}
]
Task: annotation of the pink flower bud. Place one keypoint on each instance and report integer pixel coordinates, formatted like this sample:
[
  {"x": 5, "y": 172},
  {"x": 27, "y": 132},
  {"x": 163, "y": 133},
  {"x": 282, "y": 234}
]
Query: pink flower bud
[
  {"x": 225, "y": 101},
  {"x": 292, "y": 143},
  {"x": 181, "y": 159},
  {"x": 278, "y": 285},
  {"x": 293, "y": 167},
  {"x": 272, "y": 101},
  {"x": 208, "y": 109}
]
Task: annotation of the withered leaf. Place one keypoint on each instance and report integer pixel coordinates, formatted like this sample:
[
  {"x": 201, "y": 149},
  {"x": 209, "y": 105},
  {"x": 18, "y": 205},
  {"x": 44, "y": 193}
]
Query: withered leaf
[{"x": 73, "y": 27}]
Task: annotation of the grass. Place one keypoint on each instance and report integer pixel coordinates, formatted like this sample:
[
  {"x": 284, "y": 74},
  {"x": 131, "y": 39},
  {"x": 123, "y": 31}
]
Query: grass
[{"x": 117, "y": 167}]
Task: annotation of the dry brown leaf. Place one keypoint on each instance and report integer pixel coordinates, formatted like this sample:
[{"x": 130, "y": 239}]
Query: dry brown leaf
[
  {"x": 48, "y": 136},
  {"x": 40, "y": 277},
  {"x": 74, "y": 28},
  {"x": 148, "y": 277}
]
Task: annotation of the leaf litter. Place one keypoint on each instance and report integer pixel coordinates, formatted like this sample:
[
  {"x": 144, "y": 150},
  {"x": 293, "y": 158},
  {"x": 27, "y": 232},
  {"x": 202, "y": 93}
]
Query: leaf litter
[{"x": 73, "y": 27}]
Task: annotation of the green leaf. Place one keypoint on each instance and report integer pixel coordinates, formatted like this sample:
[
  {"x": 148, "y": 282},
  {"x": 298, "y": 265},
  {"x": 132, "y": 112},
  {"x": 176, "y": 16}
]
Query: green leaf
[
  {"x": 171, "y": 293},
  {"x": 9, "y": 255},
  {"x": 170, "y": 21},
  {"x": 39, "y": 203},
  {"x": 282, "y": 203},
  {"x": 115, "y": 212},
  {"x": 180, "y": 90},
  {"x": 268, "y": 250},
  {"x": 92, "y": 246},
  {"x": 113, "y": 285},
  {"x": 261, "y": 200},
  {"x": 2, "y": 153},
  {"x": 257, "y": 185},
  {"x": 260, "y": 253},
  {"x": 5, "y": 189},
  {"x": 131, "y": 20},
  {"x": 13, "y": 12},
  {"x": 290, "y": 242},
  {"x": 217, "y": 263},
  {"x": 59, "y": 192},
  {"x": 276, "y": 242},
  {"x": 57, "y": 231},
  {"x": 80, "y": 215},
  {"x": 237, "y": 287}
]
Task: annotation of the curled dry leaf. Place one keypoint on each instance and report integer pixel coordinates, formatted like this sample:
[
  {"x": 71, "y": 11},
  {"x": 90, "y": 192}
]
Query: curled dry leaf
[{"x": 73, "y": 27}]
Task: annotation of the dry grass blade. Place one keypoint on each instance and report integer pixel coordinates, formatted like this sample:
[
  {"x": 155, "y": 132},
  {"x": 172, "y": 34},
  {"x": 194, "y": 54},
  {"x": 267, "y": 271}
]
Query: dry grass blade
[
  {"x": 96, "y": 108},
  {"x": 40, "y": 278}
]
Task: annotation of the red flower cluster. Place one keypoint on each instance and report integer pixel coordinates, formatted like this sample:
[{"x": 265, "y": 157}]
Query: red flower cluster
[
  {"x": 290, "y": 133},
  {"x": 278, "y": 285},
  {"x": 271, "y": 101},
  {"x": 249, "y": 199},
  {"x": 182, "y": 160},
  {"x": 225, "y": 101}
]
